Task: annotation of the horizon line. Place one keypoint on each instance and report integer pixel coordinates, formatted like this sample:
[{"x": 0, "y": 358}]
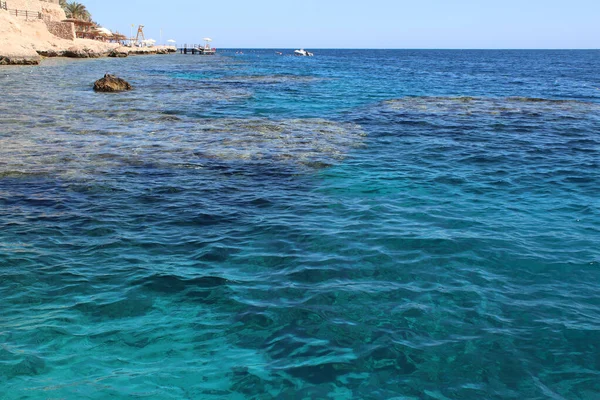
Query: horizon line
[{"x": 410, "y": 48}]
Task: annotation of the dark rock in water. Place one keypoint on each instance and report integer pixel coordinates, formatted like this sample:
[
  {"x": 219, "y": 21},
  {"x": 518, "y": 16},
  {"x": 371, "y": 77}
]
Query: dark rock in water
[
  {"x": 111, "y": 83},
  {"x": 116, "y": 53}
]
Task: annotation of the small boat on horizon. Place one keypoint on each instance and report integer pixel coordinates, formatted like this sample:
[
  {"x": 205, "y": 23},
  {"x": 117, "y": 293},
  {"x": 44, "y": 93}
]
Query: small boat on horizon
[{"x": 303, "y": 53}]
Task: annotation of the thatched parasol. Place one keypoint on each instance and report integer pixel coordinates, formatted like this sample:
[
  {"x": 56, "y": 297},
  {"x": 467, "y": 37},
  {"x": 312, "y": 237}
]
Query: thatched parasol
[{"x": 79, "y": 22}]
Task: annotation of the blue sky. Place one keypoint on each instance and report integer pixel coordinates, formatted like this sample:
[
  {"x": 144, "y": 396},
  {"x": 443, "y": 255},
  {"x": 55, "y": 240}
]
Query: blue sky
[{"x": 463, "y": 24}]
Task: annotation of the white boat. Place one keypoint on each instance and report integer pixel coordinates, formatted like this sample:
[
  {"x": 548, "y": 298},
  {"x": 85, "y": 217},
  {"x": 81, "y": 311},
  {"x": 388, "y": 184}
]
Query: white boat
[
  {"x": 303, "y": 53},
  {"x": 206, "y": 50}
]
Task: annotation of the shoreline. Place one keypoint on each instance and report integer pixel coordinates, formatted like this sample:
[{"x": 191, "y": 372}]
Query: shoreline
[
  {"x": 36, "y": 57},
  {"x": 29, "y": 42},
  {"x": 79, "y": 50}
]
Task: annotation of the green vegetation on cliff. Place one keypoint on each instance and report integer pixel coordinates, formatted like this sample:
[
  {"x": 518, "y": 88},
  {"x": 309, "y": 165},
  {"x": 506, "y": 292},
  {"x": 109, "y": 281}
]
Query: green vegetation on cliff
[{"x": 76, "y": 10}]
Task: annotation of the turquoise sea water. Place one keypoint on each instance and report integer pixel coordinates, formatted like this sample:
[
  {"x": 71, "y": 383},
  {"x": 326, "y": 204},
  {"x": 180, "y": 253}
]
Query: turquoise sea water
[{"x": 356, "y": 225}]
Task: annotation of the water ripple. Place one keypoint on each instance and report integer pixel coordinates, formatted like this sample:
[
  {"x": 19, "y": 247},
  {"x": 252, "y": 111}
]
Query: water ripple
[{"x": 381, "y": 224}]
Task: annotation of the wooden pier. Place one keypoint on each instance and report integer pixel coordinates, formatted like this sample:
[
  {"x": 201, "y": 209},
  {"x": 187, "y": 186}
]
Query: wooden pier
[{"x": 197, "y": 49}]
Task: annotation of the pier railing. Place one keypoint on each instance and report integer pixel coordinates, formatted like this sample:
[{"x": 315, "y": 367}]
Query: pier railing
[{"x": 196, "y": 49}]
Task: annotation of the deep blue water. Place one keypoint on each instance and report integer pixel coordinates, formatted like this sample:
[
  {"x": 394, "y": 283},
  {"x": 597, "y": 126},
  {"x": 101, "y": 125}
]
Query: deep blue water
[{"x": 357, "y": 225}]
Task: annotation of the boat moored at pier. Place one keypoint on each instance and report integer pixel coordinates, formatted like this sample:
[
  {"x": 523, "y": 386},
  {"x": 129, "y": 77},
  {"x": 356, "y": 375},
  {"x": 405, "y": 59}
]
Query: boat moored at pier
[{"x": 203, "y": 50}]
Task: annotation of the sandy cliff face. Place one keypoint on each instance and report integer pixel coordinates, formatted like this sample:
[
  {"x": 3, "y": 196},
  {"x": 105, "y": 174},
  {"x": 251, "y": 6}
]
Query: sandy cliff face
[
  {"x": 22, "y": 42},
  {"x": 53, "y": 12},
  {"x": 15, "y": 48}
]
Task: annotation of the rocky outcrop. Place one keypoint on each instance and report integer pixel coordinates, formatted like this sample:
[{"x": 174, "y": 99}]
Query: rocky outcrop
[
  {"x": 50, "y": 53},
  {"x": 18, "y": 55},
  {"x": 79, "y": 52},
  {"x": 96, "y": 54},
  {"x": 118, "y": 53},
  {"x": 23, "y": 41},
  {"x": 111, "y": 83},
  {"x": 19, "y": 60},
  {"x": 150, "y": 50},
  {"x": 75, "y": 52}
]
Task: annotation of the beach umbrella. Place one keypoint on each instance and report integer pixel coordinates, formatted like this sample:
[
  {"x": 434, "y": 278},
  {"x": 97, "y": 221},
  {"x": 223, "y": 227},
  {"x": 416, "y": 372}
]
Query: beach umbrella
[
  {"x": 149, "y": 42},
  {"x": 207, "y": 39},
  {"x": 171, "y": 41},
  {"x": 104, "y": 31}
]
